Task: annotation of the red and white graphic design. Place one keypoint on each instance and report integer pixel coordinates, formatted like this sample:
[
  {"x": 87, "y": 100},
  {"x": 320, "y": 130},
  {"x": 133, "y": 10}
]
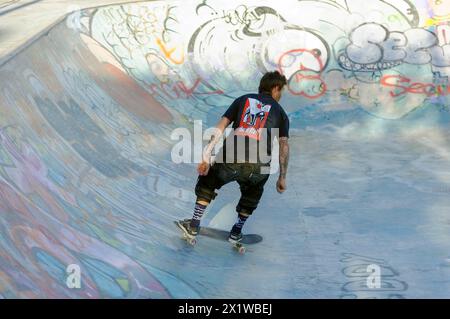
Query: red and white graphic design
[{"x": 253, "y": 119}]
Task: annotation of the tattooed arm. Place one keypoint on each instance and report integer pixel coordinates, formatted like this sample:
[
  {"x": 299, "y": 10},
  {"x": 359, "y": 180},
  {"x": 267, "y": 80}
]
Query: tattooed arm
[{"x": 284, "y": 161}]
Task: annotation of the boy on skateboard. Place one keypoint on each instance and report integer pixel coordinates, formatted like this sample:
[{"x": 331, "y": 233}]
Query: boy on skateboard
[{"x": 255, "y": 118}]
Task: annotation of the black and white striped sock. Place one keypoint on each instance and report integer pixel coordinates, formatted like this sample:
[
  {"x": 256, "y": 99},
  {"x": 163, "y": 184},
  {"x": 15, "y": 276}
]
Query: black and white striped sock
[
  {"x": 198, "y": 214},
  {"x": 240, "y": 222}
]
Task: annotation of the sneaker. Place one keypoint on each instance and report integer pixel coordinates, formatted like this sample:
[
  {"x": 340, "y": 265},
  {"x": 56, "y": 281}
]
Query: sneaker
[
  {"x": 235, "y": 235},
  {"x": 186, "y": 227}
]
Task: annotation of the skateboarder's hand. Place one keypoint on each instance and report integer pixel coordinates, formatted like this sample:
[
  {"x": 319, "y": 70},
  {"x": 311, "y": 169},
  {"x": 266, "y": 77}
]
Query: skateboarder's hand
[
  {"x": 281, "y": 185},
  {"x": 203, "y": 168}
]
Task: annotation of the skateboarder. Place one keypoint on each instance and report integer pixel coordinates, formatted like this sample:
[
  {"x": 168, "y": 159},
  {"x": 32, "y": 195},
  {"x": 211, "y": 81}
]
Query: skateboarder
[{"x": 255, "y": 118}]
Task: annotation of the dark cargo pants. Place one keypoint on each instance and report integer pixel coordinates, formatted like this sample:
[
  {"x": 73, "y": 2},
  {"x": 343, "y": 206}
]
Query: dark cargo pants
[{"x": 247, "y": 175}]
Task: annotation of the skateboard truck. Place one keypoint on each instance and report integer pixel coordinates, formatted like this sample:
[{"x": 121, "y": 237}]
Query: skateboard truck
[
  {"x": 238, "y": 246},
  {"x": 190, "y": 240}
]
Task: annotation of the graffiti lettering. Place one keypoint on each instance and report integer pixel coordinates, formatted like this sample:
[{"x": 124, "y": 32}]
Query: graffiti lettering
[
  {"x": 169, "y": 52},
  {"x": 373, "y": 47},
  {"x": 179, "y": 90},
  {"x": 404, "y": 86},
  {"x": 304, "y": 82},
  {"x": 241, "y": 15}
]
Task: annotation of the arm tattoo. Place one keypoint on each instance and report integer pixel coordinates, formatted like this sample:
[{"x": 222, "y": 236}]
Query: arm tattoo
[{"x": 284, "y": 156}]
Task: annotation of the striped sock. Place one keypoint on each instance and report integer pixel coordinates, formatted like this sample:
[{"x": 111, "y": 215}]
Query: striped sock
[
  {"x": 198, "y": 213},
  {"x": 240, "y": 222}
]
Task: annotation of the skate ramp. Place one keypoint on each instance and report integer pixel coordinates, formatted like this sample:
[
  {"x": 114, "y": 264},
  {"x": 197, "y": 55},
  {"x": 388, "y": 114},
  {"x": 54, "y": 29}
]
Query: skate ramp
[{"x": 88, "y": 180}]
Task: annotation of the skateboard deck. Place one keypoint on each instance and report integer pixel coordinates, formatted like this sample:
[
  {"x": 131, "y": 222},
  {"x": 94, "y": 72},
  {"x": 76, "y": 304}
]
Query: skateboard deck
[
  {"x": 219, "y": 234},
  {"x": 248, "y": 239}
]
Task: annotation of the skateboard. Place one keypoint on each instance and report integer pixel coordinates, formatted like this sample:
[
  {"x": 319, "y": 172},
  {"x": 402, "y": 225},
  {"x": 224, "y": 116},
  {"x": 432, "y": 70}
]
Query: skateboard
[{"x": 219, "y": 234}]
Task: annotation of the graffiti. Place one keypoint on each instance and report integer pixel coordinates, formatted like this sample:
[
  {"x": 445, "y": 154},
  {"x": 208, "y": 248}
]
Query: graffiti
[
  {"x": 373, "y": 47},
  {"x": 428, "y": 89},
  {"x": 169, "y": 52},
  {"x": 241, "y": 29},
  {"x": 369, "y": 45},
  {"x": 440, "y": 79},
  {"x": 179, "y": 90},
  {"x": 439, "y": 12},
  {"x": 356, "y": 270},
  {"x": 231, "y": 45},
  {"x": 305, "y": 82},
  {"x": 170, "y": 16},
  {"x": 92, "y": 147},
  {"x": 67, "y": 180},
  {"x": 251, "y": 19},
  {"x": 443, "y": 34},
  {"x": 44, "y": 248},
  {"x": 405, "y": 9}
]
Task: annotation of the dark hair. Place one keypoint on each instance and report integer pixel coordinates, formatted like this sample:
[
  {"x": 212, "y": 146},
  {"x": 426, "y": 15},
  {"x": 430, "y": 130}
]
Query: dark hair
[{"x": 271, "y": 80}]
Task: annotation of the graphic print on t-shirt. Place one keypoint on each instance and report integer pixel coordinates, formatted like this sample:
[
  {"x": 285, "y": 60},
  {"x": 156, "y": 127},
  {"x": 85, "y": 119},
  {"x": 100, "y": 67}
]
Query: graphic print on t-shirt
[{"x": 253, "y": 119}]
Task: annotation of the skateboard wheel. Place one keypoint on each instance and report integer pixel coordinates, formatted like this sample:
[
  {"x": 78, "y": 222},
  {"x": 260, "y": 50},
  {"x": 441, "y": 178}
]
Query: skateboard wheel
[
  {"x": 241, "y": 250},
  {"x": 193, "y": 241}
]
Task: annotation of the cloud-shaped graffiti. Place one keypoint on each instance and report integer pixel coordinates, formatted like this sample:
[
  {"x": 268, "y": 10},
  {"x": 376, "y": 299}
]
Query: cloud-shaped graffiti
[{"x": 374, "y": 47}]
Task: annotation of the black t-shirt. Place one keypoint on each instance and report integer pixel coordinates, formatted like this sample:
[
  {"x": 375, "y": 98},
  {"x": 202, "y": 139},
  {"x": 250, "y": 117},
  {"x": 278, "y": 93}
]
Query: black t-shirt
[{"x": 257, "y": 119}]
